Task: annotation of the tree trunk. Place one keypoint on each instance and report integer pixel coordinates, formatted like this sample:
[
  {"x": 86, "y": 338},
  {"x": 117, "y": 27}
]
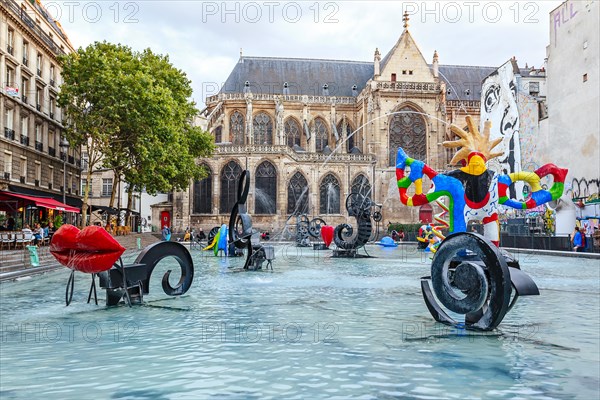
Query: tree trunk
[{"x": 129, "y": 205}]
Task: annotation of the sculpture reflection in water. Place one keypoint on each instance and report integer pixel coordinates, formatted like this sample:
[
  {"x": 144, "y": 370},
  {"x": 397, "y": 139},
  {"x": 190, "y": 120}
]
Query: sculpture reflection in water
[
  {"x": 470, "y": 275},
  {"x": 94, "y": 251}
]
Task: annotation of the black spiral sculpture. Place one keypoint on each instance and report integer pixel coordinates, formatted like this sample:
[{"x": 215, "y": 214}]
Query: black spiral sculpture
[
  {"x": 240, "y": 222},
  {"x": 359, "y": 207},
  {"x": 132, "y": 281},
  {"x": 472, "y": 277}
]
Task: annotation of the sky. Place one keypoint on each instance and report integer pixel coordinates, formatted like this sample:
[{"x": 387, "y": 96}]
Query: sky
[{"x": 204, "y": 38}]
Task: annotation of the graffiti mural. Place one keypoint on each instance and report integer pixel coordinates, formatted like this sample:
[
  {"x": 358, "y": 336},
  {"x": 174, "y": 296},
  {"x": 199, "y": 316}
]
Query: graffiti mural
[{"x": 499, "y": 105}]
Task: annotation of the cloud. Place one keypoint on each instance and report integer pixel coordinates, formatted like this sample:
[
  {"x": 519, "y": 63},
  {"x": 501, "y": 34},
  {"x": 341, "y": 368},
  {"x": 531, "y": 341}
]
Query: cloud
[{"x": 204, "y": 38}]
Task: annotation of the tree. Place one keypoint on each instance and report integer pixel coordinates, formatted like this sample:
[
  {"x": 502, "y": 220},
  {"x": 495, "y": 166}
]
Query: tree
[{"x": 133, "y": 111}]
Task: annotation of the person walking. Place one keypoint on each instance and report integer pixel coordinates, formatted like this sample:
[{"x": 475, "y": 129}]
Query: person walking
[
  {"x": 577, "y": 240},
  {"x": 166, "y": 234}
]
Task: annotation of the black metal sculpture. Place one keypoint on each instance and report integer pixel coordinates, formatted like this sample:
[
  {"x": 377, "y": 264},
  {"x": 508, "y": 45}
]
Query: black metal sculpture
[
  {"x": 132, "y": 281},
  {"x": 359, "y": 207},
  {"x": 305, "y": 229},
  {"x": 471, "y": 276},
  {"x": 240, "y": 229}
]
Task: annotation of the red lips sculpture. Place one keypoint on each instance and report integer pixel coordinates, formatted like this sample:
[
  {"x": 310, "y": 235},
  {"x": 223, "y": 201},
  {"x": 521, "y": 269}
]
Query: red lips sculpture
[
  {"x": 90, "y": 250},
  {"x": 327, "y": 234}
]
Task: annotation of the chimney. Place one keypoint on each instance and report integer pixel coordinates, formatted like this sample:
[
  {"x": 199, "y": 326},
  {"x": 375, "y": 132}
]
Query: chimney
[
  {"x": 376, "y": 61},
  {"x": 436, "y": 67}
]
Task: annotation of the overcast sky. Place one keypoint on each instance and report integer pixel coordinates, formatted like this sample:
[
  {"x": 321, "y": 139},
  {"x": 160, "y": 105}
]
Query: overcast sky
[{"x": 203, "y": 38}]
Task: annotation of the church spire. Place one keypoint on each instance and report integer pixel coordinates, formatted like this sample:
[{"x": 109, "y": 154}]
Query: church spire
[{"x": 405, "y": 20}]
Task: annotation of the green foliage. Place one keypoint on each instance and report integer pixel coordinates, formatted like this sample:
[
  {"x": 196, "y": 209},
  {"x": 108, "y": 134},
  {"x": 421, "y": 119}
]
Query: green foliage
[
  {"x": 403, "y": 227},
  {"x": 58, "y": 221},
  {"x": 134, "y": 110}
]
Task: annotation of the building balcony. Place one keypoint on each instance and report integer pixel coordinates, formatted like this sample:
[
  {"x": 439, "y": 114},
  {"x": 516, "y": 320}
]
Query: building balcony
[
  {"x": 39, "y": 72},
  {"x": 298, "y": 157},
  {"x": 296, "y": 98},
  {"x": 50, "y": 186},
  {"x": 38, "y": 107},
  {"x": 71, "y": 160},
  {"x": 51, "y": 115},
  {"x": 10, "y": 50},
  {"x": 52, "y": 82},
  {"x": 412, "y": 87},
  {"x": 36, "y": 183},
  {"x": 25, "y": 140},
  {"x": 7, "y": 175},
  {"x": 25, "y": 61},
  {"x": 39, "y": 146},
  {"x": 9, "y": 133},
  {"x": 24, "y": 99},
  {"x": 63, "y": 156},
  {"x": 22, "y": 179},
  {"x": 51, "y": 151}
]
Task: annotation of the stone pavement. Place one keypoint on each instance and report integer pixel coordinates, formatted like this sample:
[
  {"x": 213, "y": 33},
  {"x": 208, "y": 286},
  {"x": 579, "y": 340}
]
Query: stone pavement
[{"x": 16, "y": 263}]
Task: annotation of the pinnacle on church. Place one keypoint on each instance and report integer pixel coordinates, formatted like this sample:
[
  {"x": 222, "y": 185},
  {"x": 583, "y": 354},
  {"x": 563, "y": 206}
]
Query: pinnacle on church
[{"x": 405, "y": 20}]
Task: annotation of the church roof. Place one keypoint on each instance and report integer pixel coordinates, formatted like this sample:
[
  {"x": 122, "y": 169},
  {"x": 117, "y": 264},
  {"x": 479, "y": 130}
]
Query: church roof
[
  {"x": 304, "y": 76},
  {"x": 459, "y": 78},
  {"x": 307, "y": 76}
]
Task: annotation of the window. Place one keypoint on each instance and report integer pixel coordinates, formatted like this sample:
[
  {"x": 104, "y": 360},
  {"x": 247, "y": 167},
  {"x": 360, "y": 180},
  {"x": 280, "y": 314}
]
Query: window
[
  {"x": 263, "y": 129},
  {"x": 403, "y": 72},
  {"x": 297, "y": 195},
  {"x": 50, "y": 177},
  {"x": 219, "y": 134},
  {"x": 51, "y": 106},
  {"x": 329, "y": 195},
  {"x": 265, "y": 192},
  {"x": 39, "y": 96},
  {"x": 407, "y": 130},
  {"x": 39, "y": 64},
  {"x": 410, "y": 72},
  {"x": 107, "y": 186},
  {"x": 24, "y": 125},
  {"x": 361, "y": 185},
  {"x": 9, "y": 78},
  {"x": 237, "y": 128},
  {"x": 321, "y": 135},
  {"x": 534, "y": 88},
  {"x": 230, "y": 175},
  {"x": 23, "y": 169},
  {"x": 585, "y": 77},
  {"x": 203, "y": 194},
  {"x": 292, "y": 132},
  {"x": 84, "y": 185},
  {"x": 84, "y": 160},
  {"x": 38, "y": 137},
  {"x": 393, "y": 77},
  {"x": 8, "y": 118},
  {"x": 52, "y": 75},
  {"x": 10, "y": 41},
  {"x": 25, "y": 52},
  {"x": 38, "y": 173},
  {"x": 24, "y": 89},
  {"x": 8, "y": 164}
]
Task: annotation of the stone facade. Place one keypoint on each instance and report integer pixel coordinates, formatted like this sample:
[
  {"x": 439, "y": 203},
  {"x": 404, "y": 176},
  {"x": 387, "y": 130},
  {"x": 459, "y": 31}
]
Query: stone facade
[
  {"x": 328, "y": 124},
  {"x": 31, "y": 160}
]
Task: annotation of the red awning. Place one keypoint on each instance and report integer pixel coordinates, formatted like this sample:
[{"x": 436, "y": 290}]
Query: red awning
[{"x": 45, "y": 202}]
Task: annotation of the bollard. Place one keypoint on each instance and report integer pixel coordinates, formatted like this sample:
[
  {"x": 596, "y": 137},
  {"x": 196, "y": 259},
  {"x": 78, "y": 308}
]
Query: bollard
[
  {"x": 33, "y": 256},
  {"x": 139, "y": 243}
]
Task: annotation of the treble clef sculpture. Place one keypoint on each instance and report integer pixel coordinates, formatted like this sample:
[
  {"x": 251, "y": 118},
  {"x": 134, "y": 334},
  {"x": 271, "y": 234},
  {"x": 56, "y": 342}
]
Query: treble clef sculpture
[
  {"x": 359, "y": 207},
  {"x": 240, "y": 222}
]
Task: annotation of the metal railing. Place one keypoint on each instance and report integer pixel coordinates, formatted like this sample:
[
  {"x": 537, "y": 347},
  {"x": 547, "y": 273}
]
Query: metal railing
[{"x": 27, "y": 20}]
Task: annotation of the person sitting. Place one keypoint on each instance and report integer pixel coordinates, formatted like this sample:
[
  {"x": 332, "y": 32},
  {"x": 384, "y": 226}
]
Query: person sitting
[
  {"x": 187, "y": 235},
  {"x": 265, "y": 235},
  {"x": 38, "y": 234},
  {"x": 200, "y": 236}
]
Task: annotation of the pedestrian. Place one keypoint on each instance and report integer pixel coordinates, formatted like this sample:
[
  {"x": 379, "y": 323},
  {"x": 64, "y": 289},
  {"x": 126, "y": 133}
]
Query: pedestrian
[
  {"x": 10, "y": 224},
  {"x": 201, "y": 235},
  {"x": 166, "y": 234},
  {"x": 577, "y": 240}
]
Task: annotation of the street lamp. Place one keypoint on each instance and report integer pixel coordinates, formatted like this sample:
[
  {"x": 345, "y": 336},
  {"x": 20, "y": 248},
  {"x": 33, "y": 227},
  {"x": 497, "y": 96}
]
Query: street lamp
[{"x": 64, "y": 146}]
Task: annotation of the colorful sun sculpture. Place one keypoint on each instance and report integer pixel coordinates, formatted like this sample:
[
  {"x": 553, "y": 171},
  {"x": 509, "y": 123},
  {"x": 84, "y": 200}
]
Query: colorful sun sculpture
[{"x": 474, "y": 192}]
